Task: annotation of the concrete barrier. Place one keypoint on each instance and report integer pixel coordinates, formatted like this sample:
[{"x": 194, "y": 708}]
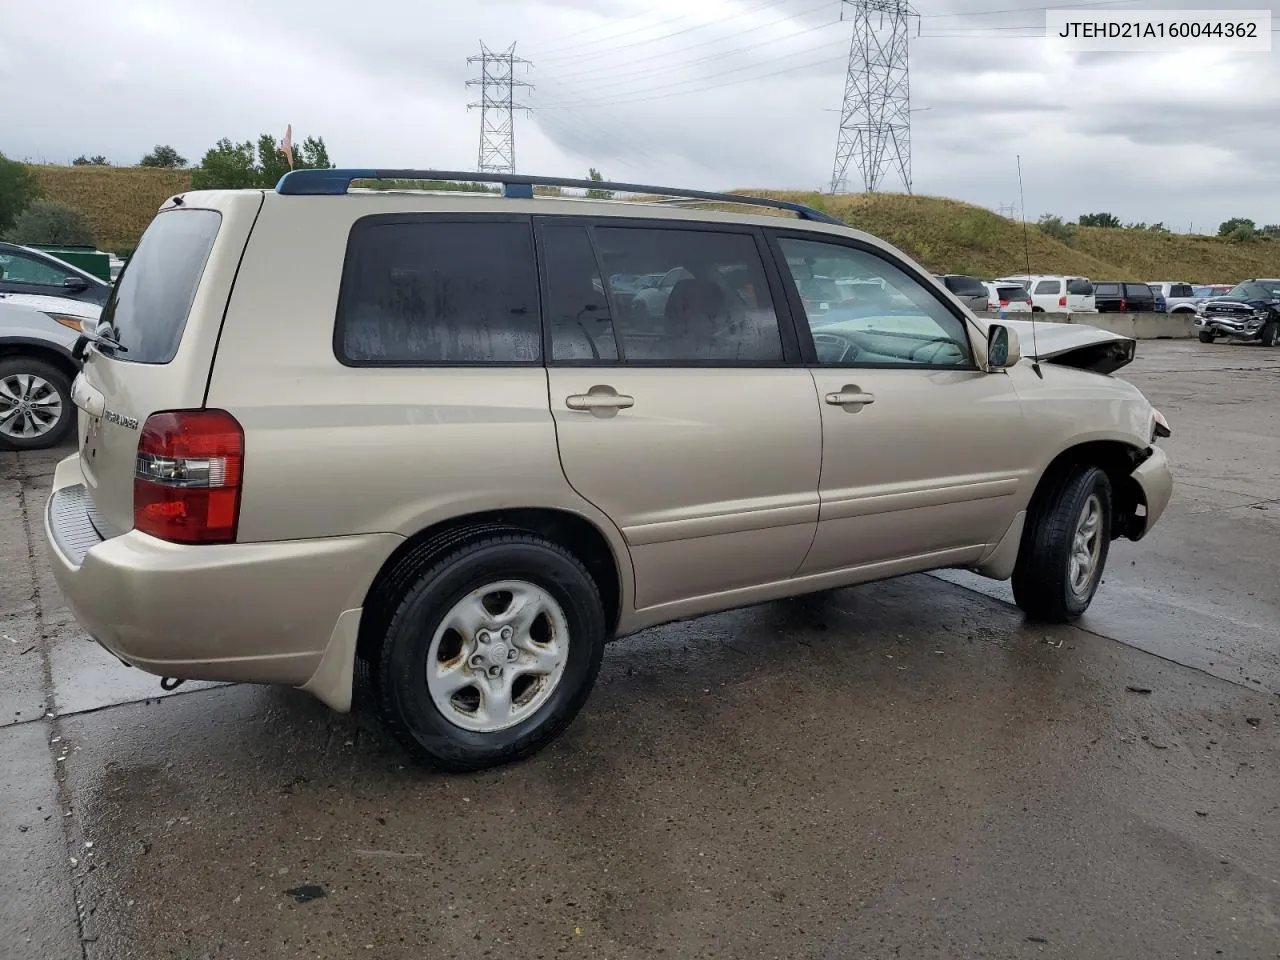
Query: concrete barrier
[{"x": 1139, "y": 326}]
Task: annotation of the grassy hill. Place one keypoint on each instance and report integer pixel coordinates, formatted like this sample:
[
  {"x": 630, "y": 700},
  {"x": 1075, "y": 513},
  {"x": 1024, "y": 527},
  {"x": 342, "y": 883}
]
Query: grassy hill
[
  {"x": 947, "y": 236},
  {"x": 119, "y": 201}
]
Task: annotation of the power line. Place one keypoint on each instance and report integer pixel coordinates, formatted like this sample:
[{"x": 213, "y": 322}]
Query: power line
[
  {"x": 691, "y": 63},
  {"x": 555, "y": 50},
  {"x": 606, "y": 51},
  {"x": 497, "y": 105}
]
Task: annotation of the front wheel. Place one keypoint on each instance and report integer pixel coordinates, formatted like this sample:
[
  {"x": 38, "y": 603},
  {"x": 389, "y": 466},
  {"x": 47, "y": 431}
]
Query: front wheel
[
  {"x": 1206, "y": 336},
  {"x": 1064, "y": 546},
  {"x": 491, "y": 653},
  {"x": 1270, "y": 336}
]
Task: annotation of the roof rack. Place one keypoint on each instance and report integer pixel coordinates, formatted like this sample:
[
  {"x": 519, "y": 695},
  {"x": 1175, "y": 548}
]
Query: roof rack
[{"x": 335, "y": 182}]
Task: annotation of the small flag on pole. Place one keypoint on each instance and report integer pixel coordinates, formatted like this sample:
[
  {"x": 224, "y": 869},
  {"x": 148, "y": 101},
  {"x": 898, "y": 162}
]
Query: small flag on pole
[{"x": 286, "y": 147}]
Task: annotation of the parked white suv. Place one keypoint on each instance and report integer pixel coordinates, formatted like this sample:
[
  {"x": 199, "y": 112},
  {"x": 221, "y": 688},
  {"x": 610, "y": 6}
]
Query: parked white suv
[
  {"x": 427, "y": 433},
  {"x": 1054, "y": 294}
]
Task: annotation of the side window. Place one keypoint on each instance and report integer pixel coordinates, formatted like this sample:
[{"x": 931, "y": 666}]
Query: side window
[
  {"x": 19, "y": 269},
  {"x": 417, "y": 292},
  {"x": 1047, "y": 286},
  {"x": 883, "y": 317},
  {"x": 1138, "y": 290},
  {"x": 710, "y": 304}
]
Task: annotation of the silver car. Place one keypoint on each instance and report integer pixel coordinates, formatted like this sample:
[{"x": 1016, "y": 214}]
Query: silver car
[{"x": 36, "y": 372}]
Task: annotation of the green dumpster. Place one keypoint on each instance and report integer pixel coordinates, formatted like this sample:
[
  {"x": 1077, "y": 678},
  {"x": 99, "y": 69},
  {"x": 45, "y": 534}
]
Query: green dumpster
[{"x": 87, "y": 259}]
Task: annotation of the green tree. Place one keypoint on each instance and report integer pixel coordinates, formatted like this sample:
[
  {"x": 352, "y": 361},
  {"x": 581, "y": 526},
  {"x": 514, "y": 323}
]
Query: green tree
[
  {"x": 163, "y": 156},
  {"x": 18, "y": 187},
  {"x": 595, "y": 175},
  {"x": 1243, "y": 233},
  {"x": 1229, "y": 228},
  {"x": 1271, "y": 230},
  {"x": 235, "y": 166},
  {"x": 1108, "y": 220},
  {"x": 1057, "y": 228},
  {"x": 45, "y": 221},
  {"x": 97, "y": 160}
]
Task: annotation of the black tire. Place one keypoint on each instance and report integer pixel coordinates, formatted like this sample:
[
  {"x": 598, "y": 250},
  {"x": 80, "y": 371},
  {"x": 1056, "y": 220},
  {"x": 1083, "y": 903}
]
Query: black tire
[
  {"x": 59, "y": 381},
  {"x": 405, "y": 704},
  {"x": 1205, "y": 336},
  {"x": 1042, "y": 584},
  {"x": 1270, "y": 336}
]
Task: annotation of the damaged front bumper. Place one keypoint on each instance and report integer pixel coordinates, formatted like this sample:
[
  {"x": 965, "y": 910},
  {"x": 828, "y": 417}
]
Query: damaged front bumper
[
  {"x": 1155, "y": 481},
  {"x": 1249, "y": 328}
]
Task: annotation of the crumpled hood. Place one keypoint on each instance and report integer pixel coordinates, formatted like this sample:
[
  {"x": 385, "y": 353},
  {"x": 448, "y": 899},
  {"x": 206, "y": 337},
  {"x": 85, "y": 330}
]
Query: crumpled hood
[{"x": 1073, "y": 345}]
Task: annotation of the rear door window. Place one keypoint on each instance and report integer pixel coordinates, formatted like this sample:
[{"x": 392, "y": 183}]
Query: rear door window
[
  {"x": 713, "y": 305},
  {"x": 149, "y": 306},
  {"x": 1140, "y": 290},
  {"x": 419, "y": 290},
  {"x": 1079, "y": 287},
  {"x": 1181, "y": 290},
  {"x": 1048, "y": 286},
  {"x": 1107, "y": 289}
]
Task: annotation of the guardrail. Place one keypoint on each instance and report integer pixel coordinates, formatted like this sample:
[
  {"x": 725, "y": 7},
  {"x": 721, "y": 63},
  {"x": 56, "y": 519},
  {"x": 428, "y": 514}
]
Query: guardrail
[{"x": 1139, "y": 326}]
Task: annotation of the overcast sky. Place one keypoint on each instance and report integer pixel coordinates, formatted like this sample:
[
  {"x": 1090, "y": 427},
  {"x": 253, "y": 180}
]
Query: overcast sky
[{"x": 740, "y": 93}]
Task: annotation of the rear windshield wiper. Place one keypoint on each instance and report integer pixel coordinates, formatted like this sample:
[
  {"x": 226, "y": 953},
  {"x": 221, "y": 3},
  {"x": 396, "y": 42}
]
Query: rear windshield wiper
[{"x": 98, "y": 340}]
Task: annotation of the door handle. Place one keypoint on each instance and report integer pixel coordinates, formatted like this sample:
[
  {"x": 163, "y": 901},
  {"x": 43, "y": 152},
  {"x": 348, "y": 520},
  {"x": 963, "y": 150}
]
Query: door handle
[
  {"x": 850, "y": 396},
  {"x": 601, "y": 401}
]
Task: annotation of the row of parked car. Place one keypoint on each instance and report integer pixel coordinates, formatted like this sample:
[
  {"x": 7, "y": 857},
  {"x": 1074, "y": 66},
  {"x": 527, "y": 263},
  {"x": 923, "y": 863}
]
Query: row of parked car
[
  {"x": 1248, "y": 311},
  {"x": 1062, "y": 294}
]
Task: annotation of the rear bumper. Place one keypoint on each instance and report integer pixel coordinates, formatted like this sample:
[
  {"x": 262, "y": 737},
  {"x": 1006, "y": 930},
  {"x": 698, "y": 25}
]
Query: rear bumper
[
  {"x": 1156, "y": 481},
  {"x": 253, "y": 612}
]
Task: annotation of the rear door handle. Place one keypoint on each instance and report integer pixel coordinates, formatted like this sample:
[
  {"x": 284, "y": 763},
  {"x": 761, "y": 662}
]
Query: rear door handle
[
  {"x": 850, "y": 396},
  {"x": 602, "y": 401}
]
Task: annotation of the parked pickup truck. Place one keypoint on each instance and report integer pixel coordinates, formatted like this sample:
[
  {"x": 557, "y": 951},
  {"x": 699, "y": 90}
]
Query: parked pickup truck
[{"x": 1250, "y": 313}]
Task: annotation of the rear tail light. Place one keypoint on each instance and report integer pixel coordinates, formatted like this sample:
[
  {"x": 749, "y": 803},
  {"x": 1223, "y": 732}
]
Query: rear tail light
[
  {"x": 1004, "y": 303},
  {"x": 1062, "y": 300},
  {"x": 186, "y": 486},
  {"x": 1124, "y": 304}
]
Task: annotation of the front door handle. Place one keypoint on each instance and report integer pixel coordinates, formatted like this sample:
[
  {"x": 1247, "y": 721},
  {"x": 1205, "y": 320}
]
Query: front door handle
[
  {"x": 850, "y": 396},
  {"x": 603, "y": 401}
]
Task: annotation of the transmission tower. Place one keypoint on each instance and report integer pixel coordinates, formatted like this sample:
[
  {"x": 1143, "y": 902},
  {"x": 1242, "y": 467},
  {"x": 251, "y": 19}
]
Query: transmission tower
[
  {"x": 497, "y": 83},
  {"x": 875, "y": 122}
]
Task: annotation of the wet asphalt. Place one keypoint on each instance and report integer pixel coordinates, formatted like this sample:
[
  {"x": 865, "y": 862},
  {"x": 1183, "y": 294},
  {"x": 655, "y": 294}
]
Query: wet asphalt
[{"x": 903, "y": 769}]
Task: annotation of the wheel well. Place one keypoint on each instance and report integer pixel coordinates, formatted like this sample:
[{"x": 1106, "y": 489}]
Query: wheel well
[
  {"x": 55, "y": 358},
  {"x": 576, "y": 534},
  {"x": 1117, "y": 460}
]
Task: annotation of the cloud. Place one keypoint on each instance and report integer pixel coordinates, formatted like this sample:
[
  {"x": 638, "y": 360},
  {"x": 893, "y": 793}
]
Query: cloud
[{"x": 718, "y": 94}]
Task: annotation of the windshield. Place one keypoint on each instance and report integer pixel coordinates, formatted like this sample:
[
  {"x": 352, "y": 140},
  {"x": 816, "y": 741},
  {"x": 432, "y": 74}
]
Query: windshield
[{"x": 1254, "y": 290}]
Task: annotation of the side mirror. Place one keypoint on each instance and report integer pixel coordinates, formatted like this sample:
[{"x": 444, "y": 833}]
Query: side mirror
[
  {"x": 75, "y": 284},
  {"x": 1003, "y": 350}
]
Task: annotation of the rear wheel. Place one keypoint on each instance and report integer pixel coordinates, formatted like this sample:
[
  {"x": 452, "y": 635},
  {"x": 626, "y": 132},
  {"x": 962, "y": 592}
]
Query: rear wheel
[
  {"x": 1064, "y": 547},
  {"x": 1270, "y": 336},
  {"x": 1206, "y": 336},
  {"x": 491, "y": 652},
  {"x": 36, "y": 411}
]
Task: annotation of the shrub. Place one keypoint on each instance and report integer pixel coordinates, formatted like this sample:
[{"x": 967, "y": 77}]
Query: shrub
[
  {"x": 18, "y": 187},
  {"x": 48, "y": 222},
  {"x": 1057, "y": 228}
]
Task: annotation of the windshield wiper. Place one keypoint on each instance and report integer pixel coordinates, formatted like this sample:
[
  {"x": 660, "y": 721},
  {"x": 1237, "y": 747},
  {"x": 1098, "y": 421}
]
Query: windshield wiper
[{"x": 99, "y": 340}]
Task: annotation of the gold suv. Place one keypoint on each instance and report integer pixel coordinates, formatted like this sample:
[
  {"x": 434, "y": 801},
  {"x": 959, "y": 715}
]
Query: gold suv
[{"x": 463, "y": 439}]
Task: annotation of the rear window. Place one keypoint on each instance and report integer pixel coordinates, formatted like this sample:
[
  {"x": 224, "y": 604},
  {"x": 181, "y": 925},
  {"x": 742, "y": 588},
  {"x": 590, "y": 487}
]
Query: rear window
[
  {"x": 966, "y": 286},
  {"x": 148, "y": 308},
  {"x": 1011, "y": 293},
  {"x": 425, "y": 291},
  {"x": 1079, "y": 287},
  {"x": 1137, "y": 290}
]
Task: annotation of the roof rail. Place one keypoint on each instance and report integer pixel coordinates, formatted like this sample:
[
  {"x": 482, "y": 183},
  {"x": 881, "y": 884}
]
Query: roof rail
[{"x": 335, "y": 182}]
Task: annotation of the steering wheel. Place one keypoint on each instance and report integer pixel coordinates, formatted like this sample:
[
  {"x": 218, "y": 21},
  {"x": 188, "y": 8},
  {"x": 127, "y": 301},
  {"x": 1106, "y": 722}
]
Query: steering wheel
[{"x": 846, "y": 349}]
